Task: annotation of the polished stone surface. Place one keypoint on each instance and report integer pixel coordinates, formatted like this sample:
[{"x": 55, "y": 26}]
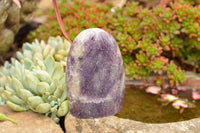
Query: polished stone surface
[{"x": 95, "y": 75}]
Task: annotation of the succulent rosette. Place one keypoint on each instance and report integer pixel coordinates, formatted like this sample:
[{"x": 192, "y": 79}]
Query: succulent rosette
[{"x": 36, "y": 79}]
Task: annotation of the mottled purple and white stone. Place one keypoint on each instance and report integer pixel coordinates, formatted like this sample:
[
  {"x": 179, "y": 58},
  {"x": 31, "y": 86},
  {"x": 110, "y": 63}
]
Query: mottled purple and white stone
[{"x": 95, "y": 75}]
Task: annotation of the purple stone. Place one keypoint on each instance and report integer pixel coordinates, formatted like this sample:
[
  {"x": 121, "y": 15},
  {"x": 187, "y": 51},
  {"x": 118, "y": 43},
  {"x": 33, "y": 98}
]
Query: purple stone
[{"x": 95, "y": 75}]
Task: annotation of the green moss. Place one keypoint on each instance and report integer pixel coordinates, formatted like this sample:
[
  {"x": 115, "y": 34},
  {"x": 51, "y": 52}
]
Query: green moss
[
  {"x": 142, "y": 58},
  {"x": 152, "y": 50},
  {"x": 157, "y": 65},
  {"x": 131, "y": 46},
  {"x": 131, "y": 70},
  {"x": 127, "y": 58},
  {"x": 179, "y": 76},
  {"x": 171, "y": 68}
]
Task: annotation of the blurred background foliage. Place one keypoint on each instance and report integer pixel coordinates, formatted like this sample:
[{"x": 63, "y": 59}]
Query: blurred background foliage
[{"x": 158, "y": 41}]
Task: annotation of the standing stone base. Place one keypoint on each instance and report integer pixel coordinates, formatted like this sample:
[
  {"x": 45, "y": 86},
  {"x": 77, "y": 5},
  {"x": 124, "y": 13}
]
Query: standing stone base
[{"x": 114, "y": 124}]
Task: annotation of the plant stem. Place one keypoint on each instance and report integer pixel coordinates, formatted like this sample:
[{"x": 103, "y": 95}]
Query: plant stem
[
  {"x": 58, "y": 16},
  {"x": 4, "y": 117}
]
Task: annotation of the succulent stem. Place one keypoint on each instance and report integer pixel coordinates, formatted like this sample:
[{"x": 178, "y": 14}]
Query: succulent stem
[
  {"x": 55, "y": 5},
  {"x": 17, "y": 3},
  {"x": 4, "y": 117}
]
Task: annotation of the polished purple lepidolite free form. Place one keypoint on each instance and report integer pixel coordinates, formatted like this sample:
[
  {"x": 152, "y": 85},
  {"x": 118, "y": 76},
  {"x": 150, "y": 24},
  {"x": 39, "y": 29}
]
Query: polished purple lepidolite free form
[{"x": 95, "y": 75}]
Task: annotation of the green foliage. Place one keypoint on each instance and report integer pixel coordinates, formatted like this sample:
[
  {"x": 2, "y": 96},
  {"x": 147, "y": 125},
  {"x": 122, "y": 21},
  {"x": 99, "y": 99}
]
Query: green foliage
[
  {"x": 150, "y": 38},
  {"x": 77, "y": 16},
  {"x": 36, "y": 79}
]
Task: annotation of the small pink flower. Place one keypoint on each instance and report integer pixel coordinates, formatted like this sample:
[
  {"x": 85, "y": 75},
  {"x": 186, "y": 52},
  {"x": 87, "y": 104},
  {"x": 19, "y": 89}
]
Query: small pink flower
[
  {"x": 181, "y": 88},
  {"x": 195, "y": 95},
  {"x": 174, "y": 91},
  {"x": 153, "y": 90},
  {"x": 169, "y": 97},
  {"x": 179, "y": 103}
]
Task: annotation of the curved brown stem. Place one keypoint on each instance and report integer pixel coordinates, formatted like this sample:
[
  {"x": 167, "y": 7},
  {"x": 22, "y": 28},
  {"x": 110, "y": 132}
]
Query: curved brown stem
[
  {"x": 17, "y": 2},
  {"x": 55, "y": 5}
]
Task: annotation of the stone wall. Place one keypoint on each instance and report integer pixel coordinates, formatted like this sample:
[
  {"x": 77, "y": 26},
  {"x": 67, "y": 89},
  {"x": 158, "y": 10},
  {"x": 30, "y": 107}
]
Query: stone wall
[{"x": 12, "y": 18}]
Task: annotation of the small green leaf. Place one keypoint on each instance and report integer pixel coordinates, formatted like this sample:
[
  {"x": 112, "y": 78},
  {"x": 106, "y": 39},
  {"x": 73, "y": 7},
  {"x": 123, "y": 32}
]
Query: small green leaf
[{"x": 4, "y": 117}]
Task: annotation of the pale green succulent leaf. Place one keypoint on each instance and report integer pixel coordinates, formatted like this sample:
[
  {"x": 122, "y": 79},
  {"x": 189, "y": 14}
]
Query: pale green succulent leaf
[
  {"x": 13, "y": 60},
  {"x": 38, "y": 55},
  {"x": 45, "y": 96},
  {"x": 53, "y": 98},
  {"x": 63, "y": 109},
  {"x": 31, "y": 82},
  {"x": 46, "y": 51},
  {"x": 54, "y": 109},
  {"x": 57, "y": 43},
  {"x": 17, "y": 84},
  {"x": 8, "y": 88},
  {"x": 62, "y": 52},
  {"x": 17, "y": 70},
  {"x": 7, "y": 68},
  {"x": 41, "y": 45},
  {"x": 5, "y": 72},
  {"x": 11, "y": 97},
  {"x": 16, "y": 107},
  {"x": 54, "y": 117},
  {"x": 28, "y": 54},
  {"x": 3, "y": 80},
  {"x": 19, "y": 55},
  {"x": 2, "y": 101},
  {"x": 58, "y": 57},
  {"x": 58, "y": 72},
  {"x": 67, "y": 46},
  {"x": 53, "y": 86},
  {"x": 25, "y": 94},
  {"x": 7, "y": 65},
  {"x": 23, "y": 81},
  {"x": 58, "y": 92},
  {"x": 39, "y": 62},
  {"x": 64, "y": 63},
  {"x": 43, "y": 76},
  {"x": 43, "y": 87},
  {"x": 62, "y": 80},
  {"x": 43, "y": 108},
  {"x": 50, "y": 64},
  {"x": 34, "y": 101},
  {"x": 9, "y": 80},
  {"x": 64, "y": 95},
  {"x": 27, "y": 47},
  {"x": 3, "y": 96},
  {"x": 1, "y": 89},
  {"x": 52, "y": 103},
  {"x": 27, "y": 64}
]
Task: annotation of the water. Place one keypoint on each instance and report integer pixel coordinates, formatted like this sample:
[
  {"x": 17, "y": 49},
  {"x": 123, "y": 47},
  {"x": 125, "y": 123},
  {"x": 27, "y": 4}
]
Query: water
[{"x": 141, "y": 106}]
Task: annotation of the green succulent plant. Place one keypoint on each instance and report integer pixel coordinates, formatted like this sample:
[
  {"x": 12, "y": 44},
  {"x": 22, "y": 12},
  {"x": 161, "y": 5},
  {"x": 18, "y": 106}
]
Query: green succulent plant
[
  {"x": 77, "y": 15},
  {"x": 36, "y": 79},
  {"x": 142, "y": 34}
]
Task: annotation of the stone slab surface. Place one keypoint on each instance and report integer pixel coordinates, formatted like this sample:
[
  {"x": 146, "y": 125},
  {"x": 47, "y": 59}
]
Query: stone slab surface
[
  {"x": 30, "y": 122},
  {"x": 114, "y": 124}
]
